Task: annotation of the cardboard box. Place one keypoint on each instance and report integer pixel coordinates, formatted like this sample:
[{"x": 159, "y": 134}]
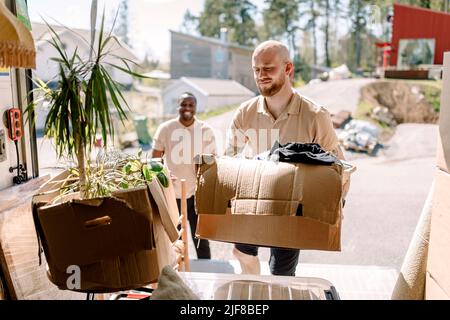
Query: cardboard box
[
  {"x": 444, "y": 118},
  {"x": 441, "y": 158},
  {"x": 118, "y": 242},
  {"x": 438, "y": 276},
  {"x": 270, "y": 204},
  {"x": 439, "y": 249}
]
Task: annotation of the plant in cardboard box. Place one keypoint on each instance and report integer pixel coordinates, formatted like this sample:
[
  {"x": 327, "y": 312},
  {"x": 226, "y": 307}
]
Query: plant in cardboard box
[
  {"x": 114, "y": 171},
  {"x": 109, "y": 226},
  {"x": 79, "y": 106}
]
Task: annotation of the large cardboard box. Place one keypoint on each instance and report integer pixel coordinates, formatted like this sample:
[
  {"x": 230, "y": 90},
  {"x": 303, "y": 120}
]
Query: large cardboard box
[
  {"x": 439, "y": 248},
  {"x": 438, "y": 275},
  {"x": 118, "y": 243},
  {"x": 272, "y": 204}
]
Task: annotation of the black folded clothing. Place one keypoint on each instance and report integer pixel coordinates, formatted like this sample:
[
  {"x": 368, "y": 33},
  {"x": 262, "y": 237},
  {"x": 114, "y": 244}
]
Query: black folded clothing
[{"x": 311, "y": 153}]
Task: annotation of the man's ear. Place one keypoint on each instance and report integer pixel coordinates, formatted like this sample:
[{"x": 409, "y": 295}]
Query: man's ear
[{"x": 289, "y": 68}]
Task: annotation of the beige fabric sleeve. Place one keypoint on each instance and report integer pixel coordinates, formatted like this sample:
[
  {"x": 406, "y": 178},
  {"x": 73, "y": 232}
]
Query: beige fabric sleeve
[
  {"x": 325, "y": 134},
  {"x": 160, "y": 139},
  {"x": 327, "y": 138},
  {"x": 209, "y": 141},
  {"x": 236, "y": 138}
]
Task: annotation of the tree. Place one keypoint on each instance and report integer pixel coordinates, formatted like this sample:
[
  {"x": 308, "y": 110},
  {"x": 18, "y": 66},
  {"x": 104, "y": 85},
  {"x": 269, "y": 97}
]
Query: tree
[
  {"x": 425, "y": 3},
  {"x": 122, "y": 30},
  {"x": 190, "y": 22},
  {"x": 311, "y": 11},
  {"x": 358, "y": 15},
  {"x": 331, "y": 11},
  {"x": 149, "y": 63},
  {"x": 326, "y": 31},
  {"x": 244, "y": 25},
  {"x": 429, "y": 4},
  {"x": 280, "y": 19},
  {"x": 235, "y": 16}
]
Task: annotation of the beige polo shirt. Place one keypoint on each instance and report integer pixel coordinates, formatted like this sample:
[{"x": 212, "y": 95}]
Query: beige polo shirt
[
  {"x": 302, "y": 121},
  {"x": 180, "y": 145}
]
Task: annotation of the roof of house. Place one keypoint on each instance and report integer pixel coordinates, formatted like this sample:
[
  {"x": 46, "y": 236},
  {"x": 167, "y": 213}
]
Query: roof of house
[
  {"x": 214, "y": 87},
  {"x": 213, "y": 41}
]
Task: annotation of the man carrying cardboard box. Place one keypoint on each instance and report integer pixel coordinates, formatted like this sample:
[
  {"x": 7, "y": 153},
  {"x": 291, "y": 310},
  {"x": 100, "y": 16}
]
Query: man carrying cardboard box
[
  {"x": 179, "y": 141},
  {"x": 281, "y": 114}
]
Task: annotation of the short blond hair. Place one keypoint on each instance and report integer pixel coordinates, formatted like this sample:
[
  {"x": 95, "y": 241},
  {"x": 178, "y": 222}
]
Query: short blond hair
[{"x": 281, "y": 49}]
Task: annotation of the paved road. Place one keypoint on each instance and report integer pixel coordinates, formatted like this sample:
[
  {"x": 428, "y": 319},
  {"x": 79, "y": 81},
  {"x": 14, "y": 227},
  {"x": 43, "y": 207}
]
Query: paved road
[{"x": 336, "y": 95}]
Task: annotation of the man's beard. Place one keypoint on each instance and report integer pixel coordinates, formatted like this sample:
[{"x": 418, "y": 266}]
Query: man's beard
[{"x": 273, "y": 89}]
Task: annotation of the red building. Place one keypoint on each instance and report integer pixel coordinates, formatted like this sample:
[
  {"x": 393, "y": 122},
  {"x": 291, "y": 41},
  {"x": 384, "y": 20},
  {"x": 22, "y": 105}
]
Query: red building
[{"x": 419, "y": 23}]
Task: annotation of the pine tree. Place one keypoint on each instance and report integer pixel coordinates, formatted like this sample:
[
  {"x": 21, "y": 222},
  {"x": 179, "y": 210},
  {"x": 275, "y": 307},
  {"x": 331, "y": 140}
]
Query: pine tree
[
  {"x": 122, "y": 30},
  {"x": 281, "y": 21},
  {"x": 190, "y": 22},
  {"x": 235, "y": 16}
]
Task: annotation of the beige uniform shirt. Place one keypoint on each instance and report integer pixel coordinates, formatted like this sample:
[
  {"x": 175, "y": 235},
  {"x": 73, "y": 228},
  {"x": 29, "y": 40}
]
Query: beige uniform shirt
[
  {"x": 302, "y": 121},
  {"x": 180, "y": 145},
  {"x": 254, "y": 130}
]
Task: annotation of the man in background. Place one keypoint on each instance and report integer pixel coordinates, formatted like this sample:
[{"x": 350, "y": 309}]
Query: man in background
[{"x": 178, "y": 141}]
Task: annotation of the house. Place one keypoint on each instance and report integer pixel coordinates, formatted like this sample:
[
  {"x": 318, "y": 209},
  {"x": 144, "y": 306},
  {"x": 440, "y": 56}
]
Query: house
[
  {"x": 413, "y": 41},
  {"x": 145, "y": 101},
  {"x": 203, "y": 57},
  {"x": 415, "y": 50},
  {"x": 47, "y": 69},
  {"x": 210, "y": 93}
]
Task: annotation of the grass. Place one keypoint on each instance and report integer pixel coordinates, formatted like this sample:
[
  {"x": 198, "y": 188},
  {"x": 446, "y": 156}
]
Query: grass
[
  {"x": 433, "y": 96},
  {"x": 363, "y": 111},
  {"x": 216, "y": 112}
]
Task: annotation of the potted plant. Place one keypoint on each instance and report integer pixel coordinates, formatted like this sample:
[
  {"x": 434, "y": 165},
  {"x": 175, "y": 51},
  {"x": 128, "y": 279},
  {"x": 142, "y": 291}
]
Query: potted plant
[
  {"x": 79, "y": 106},
  {"x": 92, "y": 201}
]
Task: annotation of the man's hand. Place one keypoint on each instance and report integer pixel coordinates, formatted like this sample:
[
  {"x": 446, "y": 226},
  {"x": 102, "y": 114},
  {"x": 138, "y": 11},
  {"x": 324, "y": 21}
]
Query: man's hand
[{"x": 157, "y": 153}]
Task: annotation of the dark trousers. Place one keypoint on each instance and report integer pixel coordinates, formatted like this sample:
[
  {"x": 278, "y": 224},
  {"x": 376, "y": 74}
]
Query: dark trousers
[
  {"x": 282, "y": 262},
  {"x": 201, "y": 246}
]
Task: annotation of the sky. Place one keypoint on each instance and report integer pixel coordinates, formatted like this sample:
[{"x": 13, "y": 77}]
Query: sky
[{"x": 150, "y": 20}]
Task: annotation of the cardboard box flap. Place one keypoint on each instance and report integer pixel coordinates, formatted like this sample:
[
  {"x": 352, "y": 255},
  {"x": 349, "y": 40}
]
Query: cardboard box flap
[
  {"x": 270, "y": 188},
  {"x": 79, "y": 234},
  {"x": 167, "y": 206},
  {"x": 216, "y": 186}
]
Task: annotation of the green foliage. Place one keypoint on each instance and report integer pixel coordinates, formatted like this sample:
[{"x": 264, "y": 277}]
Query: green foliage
[
  {"x": 363, "y": 111},
  {"x": 280, "y": 20},
  {"x": 216, "y": 112},
  {"x": 106, "y": 177},
  {"x": 236, "y": 16},
  {"x": 433, "y": 96},
  {"x": 190, "y": 22},
  {"x": 299, "y": 83}
]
